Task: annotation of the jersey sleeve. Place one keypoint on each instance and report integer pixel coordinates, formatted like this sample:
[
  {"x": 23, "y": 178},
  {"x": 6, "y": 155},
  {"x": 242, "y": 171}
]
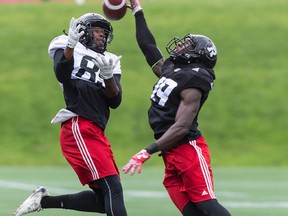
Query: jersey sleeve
[
  {"x": 57, "y": 43},
  {"x": 196, "y": 78}
]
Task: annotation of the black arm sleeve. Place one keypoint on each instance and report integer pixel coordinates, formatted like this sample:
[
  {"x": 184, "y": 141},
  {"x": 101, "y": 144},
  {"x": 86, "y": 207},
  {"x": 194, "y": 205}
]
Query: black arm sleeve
[
  {"x": 62, "y": 67},
  {"x": 146, "y": 40}
]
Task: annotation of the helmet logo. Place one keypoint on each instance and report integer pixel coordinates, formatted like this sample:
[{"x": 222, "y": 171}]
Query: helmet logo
[{"x": 212, "y": 50}]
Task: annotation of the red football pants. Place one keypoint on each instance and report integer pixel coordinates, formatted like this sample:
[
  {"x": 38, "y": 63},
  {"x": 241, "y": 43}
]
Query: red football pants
[
  {"x": 188, "y": 174},
  {"x": 87, "y": 149}
]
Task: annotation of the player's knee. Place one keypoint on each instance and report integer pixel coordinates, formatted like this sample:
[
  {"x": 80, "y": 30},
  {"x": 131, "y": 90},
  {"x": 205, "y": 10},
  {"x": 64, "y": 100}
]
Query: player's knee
[
  {"x": 117, "y": 190},
  {"x": 111, "y": 184},
  {"x": 212, "y": 207},
  {"x": 190, "y": 209}
]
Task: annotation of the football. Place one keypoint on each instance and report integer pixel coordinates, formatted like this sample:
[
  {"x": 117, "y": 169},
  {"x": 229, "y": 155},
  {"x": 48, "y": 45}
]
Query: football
[{"x": 114, "y": 9}]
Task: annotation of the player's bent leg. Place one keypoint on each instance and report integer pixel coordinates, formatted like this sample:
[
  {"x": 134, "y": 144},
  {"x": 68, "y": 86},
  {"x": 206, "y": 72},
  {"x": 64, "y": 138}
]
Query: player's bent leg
[
  {"x": 182, "y": 202},
  {"x": 191, "y": 209},
  {"x": 86, "y": 201},
  {"x": 180, "y": 199},
  {"x": 212, "y": 208},
  {"x": 113, "y": 195}
]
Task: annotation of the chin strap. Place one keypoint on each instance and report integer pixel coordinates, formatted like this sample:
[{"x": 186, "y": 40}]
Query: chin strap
[{"x": 96, "y": 49}]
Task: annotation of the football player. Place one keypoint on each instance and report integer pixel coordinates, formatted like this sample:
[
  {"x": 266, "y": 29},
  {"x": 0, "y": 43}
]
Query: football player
[
  {"x": 185, "y": 80},
  {"x": 90, "y": 78}
]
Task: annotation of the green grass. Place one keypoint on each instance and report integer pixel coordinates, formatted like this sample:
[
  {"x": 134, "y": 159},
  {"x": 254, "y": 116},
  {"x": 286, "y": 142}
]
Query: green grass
[
  {"x": 244, "y": 120},
  {"x": 244, "y": 191}
]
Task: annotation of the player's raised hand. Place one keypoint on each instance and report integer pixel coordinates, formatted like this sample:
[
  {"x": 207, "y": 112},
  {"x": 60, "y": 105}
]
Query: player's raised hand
[
  {"x": 74, "y": 33},
  {"x": 105, "y": 67},
  {"x": 135, "y": 6},
  {"x": 136, "y": 162}
]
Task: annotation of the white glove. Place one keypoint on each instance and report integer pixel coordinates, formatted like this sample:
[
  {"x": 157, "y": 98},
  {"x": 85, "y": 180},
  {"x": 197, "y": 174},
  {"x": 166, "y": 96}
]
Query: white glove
[
  {"x": 74, "y": 34},
  {"x": 106, "y": 68}
]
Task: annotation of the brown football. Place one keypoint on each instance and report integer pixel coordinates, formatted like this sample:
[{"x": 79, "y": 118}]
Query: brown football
[{"x": 114, "y": 9}]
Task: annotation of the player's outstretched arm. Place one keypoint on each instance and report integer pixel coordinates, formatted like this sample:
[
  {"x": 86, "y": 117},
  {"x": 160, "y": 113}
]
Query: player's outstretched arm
[{"x": 146, "y": 40}]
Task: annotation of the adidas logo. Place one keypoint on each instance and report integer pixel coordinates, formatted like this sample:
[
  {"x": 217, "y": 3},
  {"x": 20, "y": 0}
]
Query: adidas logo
[{"x": 204, "y": 193}]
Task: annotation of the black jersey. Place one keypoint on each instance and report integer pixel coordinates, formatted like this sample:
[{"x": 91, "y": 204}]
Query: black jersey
[
  {"x": 83, "y": 89},
  {"x": 165, "y": 98}
]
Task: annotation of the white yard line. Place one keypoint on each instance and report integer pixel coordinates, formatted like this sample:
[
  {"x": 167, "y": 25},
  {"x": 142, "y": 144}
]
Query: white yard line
[
  {"x": 267, "y": 204},
  {"x": 155, "y": 194}
]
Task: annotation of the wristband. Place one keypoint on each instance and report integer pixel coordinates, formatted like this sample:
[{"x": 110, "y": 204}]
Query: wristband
[{"x": 151, "y": 149}]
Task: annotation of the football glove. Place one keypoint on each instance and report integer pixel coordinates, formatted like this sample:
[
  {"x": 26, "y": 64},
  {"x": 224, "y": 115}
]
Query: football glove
[
  {"x": 136, "y": 162},
  {"x": 135, "y": 6},
  {"x": 74, "y": 34},
  {"x": 105, "y": 67}
]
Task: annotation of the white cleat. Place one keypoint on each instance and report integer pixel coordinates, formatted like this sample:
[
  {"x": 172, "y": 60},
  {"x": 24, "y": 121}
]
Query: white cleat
[{"x": 32, "y": 203}]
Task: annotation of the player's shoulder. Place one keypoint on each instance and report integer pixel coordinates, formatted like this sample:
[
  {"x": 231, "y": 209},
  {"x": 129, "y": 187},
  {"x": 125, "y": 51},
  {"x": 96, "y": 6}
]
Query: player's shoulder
[
  {"x": 196, "y": 76},
  {"x": 199, "y": 71},
  {"x": 58, "y": 42},
  {"x": 186, "y": 70}
]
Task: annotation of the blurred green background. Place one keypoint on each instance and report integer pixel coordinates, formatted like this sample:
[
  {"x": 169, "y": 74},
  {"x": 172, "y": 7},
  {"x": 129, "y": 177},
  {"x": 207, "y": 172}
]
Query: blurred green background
[{"x": 244, "y": 120}]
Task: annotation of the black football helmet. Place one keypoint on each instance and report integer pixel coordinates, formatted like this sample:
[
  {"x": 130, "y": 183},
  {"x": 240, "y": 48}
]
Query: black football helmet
[
  {"x": 90, "y": 20},
  {"x": 194, "y": 49}
]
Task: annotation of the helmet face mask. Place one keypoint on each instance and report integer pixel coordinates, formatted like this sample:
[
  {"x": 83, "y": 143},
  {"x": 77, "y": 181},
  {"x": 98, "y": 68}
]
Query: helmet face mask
[
  {"x": 192, "y": 49},
  {"x": 89, "y": 22}
]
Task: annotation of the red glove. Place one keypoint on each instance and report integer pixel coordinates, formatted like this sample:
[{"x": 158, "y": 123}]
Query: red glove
[{"x": 136, "y": 162}]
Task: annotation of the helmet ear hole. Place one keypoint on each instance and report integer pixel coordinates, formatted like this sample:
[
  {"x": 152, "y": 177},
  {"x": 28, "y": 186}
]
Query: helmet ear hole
[
  {"x": 90, "y": 35},
  {"x": 84, "y": 39}
]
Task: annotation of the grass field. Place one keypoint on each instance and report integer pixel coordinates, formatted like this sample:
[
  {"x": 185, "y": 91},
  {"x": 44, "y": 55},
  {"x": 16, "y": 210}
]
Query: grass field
[
  {"x": 245, "y": 121},
  {"x": 244, "y": 191},
  {"x": 246, "y": 114}
]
